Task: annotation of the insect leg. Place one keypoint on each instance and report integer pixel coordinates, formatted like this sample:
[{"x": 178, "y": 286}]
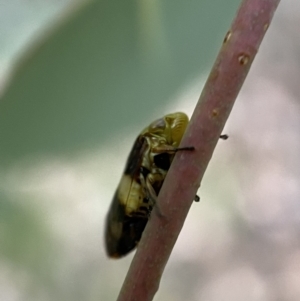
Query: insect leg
[
  {"x": 170, "y": 149},
  {"x": 154, "y": 180},
  {"x": 197, "y": 198},
  {"x": 224, "y": 137}
]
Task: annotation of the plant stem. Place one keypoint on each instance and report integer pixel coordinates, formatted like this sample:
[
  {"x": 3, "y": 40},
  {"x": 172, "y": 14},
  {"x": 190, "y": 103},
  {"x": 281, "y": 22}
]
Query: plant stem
[{"x": 239, "y": 48}]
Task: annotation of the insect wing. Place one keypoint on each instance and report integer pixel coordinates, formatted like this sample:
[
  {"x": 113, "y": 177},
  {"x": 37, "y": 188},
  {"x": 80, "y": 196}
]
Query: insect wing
[{"x": 123, "y": 232}]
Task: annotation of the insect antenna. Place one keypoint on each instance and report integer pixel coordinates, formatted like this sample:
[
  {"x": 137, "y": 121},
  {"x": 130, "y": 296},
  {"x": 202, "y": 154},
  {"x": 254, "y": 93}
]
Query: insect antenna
[
  {"x": 191, "y": 148},
  {"x": 188, "y": 148}
]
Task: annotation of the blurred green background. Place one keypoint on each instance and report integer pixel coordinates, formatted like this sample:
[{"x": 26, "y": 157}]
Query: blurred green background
[
  {"x": 110, "y": 64},
  {"x": 75, "y": 93}
]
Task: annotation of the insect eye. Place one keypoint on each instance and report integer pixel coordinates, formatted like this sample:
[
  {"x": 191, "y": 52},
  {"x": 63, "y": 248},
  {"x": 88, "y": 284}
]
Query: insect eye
[{"x": 163, "y": 161}]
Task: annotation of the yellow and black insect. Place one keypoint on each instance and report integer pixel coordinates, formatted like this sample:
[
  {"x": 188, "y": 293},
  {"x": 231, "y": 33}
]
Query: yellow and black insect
[
  {"x": 145, "y": 171},
  {"x": 144, "y": 174}
]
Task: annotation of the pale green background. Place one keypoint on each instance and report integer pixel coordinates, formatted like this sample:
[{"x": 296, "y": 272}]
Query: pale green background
[{"x": 79, "y": 81}]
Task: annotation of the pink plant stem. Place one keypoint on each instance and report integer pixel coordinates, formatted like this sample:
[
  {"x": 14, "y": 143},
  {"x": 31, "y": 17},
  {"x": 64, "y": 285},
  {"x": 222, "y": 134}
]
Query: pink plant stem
[{"x": 239, "y": 48}]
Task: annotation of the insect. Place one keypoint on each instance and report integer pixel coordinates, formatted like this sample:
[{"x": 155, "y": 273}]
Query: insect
[{"x": 144, "y": 174}]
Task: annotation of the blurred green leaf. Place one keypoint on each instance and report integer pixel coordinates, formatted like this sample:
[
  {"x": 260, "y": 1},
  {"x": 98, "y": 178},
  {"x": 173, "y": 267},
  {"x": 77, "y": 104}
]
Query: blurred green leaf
[{"x": 105, "y": 68}]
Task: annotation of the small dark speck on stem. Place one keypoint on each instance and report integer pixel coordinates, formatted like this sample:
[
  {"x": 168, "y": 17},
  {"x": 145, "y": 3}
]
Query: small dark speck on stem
[
  {"x": 243, "y": 59},
  {"x": 227, "y": 37},
  {"x": 215, "y": 112},
  {"x": 266, "y": 26}
]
